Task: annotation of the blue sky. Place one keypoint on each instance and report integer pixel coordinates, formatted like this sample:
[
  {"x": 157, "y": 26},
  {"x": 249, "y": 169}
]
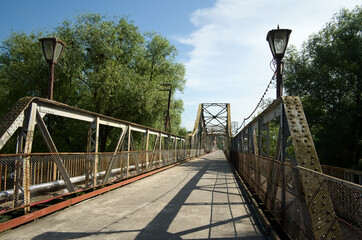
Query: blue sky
[{"x": 221, "y": 42}]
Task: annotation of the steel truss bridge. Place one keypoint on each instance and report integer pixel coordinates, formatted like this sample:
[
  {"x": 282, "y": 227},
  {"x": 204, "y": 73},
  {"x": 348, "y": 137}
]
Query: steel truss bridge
[{"x": 274, "y": 156}]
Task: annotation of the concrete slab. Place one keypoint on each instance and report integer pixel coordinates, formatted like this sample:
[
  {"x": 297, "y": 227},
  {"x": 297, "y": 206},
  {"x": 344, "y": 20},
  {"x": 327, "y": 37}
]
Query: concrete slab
[{"x": 196, "y": 200}]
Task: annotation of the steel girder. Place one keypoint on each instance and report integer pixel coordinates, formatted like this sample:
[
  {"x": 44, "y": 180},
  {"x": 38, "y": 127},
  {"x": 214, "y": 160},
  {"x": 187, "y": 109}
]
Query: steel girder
[
  {"x": 279, "y": 173},
  {"x": 29, "y": 112},
  {"x": 212, "y": 122}
]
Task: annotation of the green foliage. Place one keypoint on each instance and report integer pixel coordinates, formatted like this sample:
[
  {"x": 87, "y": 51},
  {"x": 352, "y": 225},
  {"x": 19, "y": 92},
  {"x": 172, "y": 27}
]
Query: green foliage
[
  {"x": 108, "y": 67},
  {"x": 327, "y": 75}
]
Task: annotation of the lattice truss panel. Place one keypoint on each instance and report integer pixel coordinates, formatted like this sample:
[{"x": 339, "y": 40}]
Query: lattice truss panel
[
  {"x": 276, "y": 157},
  {"x": 212, "y": 126},
  {"x": 27, "y": 175}
]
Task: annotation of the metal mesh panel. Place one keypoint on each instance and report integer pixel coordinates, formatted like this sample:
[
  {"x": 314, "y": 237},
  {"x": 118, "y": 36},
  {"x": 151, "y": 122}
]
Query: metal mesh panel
[
  {"x": 46, "y": 181},
  {"x": 277, "y": 185}
]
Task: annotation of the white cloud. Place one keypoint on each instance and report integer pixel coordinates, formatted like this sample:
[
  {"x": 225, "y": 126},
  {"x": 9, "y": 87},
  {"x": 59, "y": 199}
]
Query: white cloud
[{"x": 230, "y": 57}]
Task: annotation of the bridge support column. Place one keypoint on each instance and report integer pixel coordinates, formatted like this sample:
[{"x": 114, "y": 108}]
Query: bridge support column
[
  {"x": 26, "y": 160},
  {"x": 93, "y": 140}
]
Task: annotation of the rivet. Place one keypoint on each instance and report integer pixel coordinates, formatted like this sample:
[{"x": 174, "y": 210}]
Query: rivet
[
  {"x": 316, "y": 169},
  {"x": 303, "y": 162},
  {"x": 314, "y": 203},
  {"x": 314, "y": 210},
  {"x": 312, "y": 163},
  {"x": 328, "y": 220},
  {"x": 328, "y": 212},
  {"x": 298, "y": 140},
  {"x": 301, "y": 119},
  {"x": 312, "y": 157},
  {"x": 309, "y": 151},
  {"x": 305, "y": 140}
]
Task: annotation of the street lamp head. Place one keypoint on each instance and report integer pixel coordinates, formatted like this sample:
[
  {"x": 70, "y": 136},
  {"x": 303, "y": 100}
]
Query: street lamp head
[
  {"x": 52, "y": 49},
  {"x": 278, "y": 41}
]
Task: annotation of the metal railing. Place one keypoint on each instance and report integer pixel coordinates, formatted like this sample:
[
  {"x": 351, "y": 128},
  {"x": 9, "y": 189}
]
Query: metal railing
[
  {"x": 46, "y": 182},
  {"x": 349, "y": 175},
  {"x": 274, "y": 184}
]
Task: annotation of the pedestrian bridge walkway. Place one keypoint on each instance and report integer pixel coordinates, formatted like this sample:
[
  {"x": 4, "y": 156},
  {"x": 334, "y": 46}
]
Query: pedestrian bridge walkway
[{"x": 199, "y": 199}]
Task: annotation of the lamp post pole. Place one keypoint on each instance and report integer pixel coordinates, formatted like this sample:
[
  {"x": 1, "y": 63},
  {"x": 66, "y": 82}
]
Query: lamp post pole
[
  {"x": 279, "y": 78},
  {"x": 168, "y": 119},
  {"x": 51, "y": 80}
]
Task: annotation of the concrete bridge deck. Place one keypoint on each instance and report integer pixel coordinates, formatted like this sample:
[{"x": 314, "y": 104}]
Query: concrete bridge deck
[{"x": 199, "y": 199}]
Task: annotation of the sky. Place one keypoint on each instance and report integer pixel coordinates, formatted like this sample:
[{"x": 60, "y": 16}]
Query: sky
[{"x": 222, "y": 43}]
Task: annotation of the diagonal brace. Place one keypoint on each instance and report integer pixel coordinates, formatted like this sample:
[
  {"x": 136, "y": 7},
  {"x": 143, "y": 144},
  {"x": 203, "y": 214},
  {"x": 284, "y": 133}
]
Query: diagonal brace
[{"x": 52, "y": 148}]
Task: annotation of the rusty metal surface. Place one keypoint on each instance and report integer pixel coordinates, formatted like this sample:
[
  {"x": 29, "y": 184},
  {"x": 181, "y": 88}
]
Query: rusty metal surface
[
  {"x": 276, "y": 157},
  {"x": 321, "y": 211},
  {"x": 43, "y": 184}
]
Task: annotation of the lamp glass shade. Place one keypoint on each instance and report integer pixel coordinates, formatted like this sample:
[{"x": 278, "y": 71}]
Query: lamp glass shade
[
  {"x": 278, "y": 41},
  {"x": 58, "y": 51},
  {"x": 52, "y": 49},
  {"x": 47, "y": 46}
]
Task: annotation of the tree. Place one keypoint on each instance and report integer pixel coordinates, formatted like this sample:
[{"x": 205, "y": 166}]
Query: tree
[
  {"x": 108, "y": 67},
  {"x": 327, "y": 75}
]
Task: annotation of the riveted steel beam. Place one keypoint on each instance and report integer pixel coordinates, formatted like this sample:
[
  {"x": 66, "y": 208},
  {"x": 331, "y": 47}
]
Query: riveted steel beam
[{"x": 314, "y": 192}]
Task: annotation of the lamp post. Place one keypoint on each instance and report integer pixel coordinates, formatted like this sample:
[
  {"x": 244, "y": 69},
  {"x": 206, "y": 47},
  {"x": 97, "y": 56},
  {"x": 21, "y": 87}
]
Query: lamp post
[
  {"x": 168, "y": 88},
  {"x": 52, "y": 49},
  {"x": 278, "y": 41}
]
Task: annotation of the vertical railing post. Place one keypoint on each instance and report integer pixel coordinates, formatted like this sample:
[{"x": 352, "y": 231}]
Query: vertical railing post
[
  {"x": 147, "y": 143},
  {"x": 128, "y": 149},
  {"x": 26, "y": 160}
]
